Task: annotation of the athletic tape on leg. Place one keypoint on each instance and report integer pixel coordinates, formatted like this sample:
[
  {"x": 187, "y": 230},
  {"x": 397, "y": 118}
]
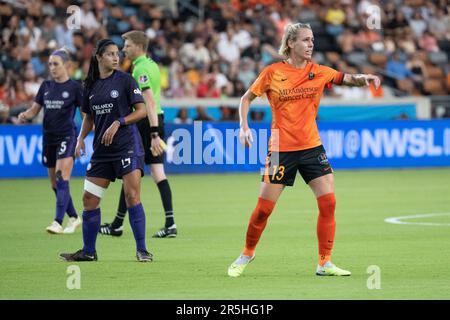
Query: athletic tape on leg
[{"x": 94, "y": 189}]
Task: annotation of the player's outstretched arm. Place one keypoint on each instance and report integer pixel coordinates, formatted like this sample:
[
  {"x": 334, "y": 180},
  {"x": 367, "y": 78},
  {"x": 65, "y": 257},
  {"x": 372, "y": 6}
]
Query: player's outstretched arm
[
  {"x": 360, "y": 80},
  {"x": 86, "y": 127},
  {"x": 245, "y": 135},
  {"x": 30, "y": 113}
]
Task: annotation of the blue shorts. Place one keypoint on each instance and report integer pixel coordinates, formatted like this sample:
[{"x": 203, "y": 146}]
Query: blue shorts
[
  {"x": 63, "y": 148},
  {"x": 115, "y": 169}
]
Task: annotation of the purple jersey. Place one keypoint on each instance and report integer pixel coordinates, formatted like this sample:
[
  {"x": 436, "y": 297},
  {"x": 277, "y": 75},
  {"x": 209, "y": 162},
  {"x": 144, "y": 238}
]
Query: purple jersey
[
  {"x": 107, "y": 101},
  {"x": 59, "y": 101}
]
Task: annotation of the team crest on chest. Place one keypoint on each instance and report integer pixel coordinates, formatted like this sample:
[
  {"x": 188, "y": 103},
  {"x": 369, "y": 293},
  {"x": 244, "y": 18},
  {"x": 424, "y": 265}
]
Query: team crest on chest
[
  {"x": 114, "y": 93},
  {"x": 65, "y": 94}
]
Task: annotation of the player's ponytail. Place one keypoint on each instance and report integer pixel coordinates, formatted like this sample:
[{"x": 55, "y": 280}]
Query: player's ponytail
[
  {"x": 94, "y": 72},
  {"x": 291, "y": 33}
]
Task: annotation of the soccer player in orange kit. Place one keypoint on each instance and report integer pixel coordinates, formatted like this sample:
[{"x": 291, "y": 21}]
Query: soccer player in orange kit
[{"x": 294, "y": 88}]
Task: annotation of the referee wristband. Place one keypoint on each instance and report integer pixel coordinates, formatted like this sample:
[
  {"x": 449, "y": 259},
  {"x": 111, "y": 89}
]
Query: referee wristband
[
  {"x": 121, "y": 121},
  {"x": 154, "y": 129}
]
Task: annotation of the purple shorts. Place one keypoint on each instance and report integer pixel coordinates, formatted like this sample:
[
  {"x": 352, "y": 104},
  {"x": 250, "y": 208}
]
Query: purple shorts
[
  {"x": 52, "y": 152},
  {"x": 115, "y": 169}
]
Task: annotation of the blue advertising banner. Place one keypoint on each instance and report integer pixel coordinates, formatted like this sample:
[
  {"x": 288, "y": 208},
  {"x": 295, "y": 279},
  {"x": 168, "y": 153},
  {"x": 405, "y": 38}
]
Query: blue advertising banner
[
  {"x": 326, "y": 113},
  {"x": 214, "y": 147},
  {"x": 21, "y": 152}
]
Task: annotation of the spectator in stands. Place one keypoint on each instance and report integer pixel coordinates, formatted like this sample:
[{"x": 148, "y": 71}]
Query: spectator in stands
[
  {"x": 439, "y": 25},
  {"x": 64, "y": 36},
  {"x": 405, "y": 41},
  {"x": 228, "y": 49},
  {"x": 335, "y": 18},
  {"x": 5, "y": 118},
  {"x": 39, "y": 64},
  {"x": 418, "y": 69},
  {"x": 398, "y": 23},
  {"x": 418, "y": 24},
  {"x": 207, "y": 88},
  {"x": 365, "y": 38},
  {"x": 194, "y": 54},
  {"x": 202, "y": 115},
  {"x": 238, "y": 88},
  {"x": 246, "y": 72},
  {"x": 48, "y": 29},
  {"x": 389, "y": 45},
  {"x": 396, "y": 68},
  {"x": 31, "y": 83},
  {"x": 221, "y": 80},
  {"x": 346, "y": 40},
  {"x": 182, "y": 117},
  {"x": 33, "y": 32},
  {"x": 242, "y": 36},
  {"x": 351, "y": 17},
  {"x": 428, "y": 42},
  {"x": 228, "y": 114},
  {"x": 253, "y": 51},
  {"x": 154, "y": 30}
]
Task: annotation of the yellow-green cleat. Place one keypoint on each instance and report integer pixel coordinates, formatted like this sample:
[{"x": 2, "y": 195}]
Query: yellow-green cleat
[
  {"x": 329, "y": 269},
  {"x": 238, "y": 266}
]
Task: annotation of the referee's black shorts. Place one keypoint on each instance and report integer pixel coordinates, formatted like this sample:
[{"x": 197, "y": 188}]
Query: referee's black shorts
[{"x": 144, "y": 129}]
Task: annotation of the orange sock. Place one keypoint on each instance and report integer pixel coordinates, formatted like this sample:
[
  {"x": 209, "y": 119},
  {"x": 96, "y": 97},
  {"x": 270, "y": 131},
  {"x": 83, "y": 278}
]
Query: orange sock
[
  {"x": 324, "y": 259},
  {"x": 256, "y": 225},
  {"x": 326, "y": 226}
]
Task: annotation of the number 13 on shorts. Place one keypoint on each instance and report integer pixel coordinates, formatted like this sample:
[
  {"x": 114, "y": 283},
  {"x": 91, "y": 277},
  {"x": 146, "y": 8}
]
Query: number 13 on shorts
[
  {"x": 278, "y": 172},
  {"x": 274, "y": 172}
]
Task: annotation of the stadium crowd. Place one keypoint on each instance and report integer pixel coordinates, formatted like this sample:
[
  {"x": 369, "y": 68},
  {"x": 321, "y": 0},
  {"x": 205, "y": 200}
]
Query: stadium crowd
[{"x": 219, "y": 54}]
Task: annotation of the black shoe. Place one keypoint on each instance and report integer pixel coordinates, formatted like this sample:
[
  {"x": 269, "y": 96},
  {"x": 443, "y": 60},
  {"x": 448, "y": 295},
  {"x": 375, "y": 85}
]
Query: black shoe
[
  {"x": 80, "y": 255},
  {"x": 170, "y": 232},
  {"x": 107, "y": 229},
  {"x": 144, "y": 256}
]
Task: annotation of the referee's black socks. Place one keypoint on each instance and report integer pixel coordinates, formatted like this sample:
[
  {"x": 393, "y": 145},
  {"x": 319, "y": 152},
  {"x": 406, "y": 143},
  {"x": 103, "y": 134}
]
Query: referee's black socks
[
  {"x": 121, "y": 211},
  {"x": 166, "y": 198}
]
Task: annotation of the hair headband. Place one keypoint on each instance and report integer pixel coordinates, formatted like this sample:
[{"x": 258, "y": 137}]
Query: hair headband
[
  {"x": 61, "y": 53},
  {"x": 102, "y": 44}
]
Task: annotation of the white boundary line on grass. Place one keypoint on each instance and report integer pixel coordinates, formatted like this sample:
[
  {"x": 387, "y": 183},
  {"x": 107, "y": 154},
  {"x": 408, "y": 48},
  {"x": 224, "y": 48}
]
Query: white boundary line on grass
[{"x": 397, "y": 220}]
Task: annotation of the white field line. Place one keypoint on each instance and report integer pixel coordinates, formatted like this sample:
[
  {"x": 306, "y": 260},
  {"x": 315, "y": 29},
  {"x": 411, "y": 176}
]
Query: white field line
[{"x": 397, "y": 220}]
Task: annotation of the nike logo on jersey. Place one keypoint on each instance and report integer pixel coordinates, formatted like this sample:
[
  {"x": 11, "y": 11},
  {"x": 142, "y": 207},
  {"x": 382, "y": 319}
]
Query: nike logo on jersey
[
  {"x": 46, "y": 93},
  {"x": 90, "y": 97}
]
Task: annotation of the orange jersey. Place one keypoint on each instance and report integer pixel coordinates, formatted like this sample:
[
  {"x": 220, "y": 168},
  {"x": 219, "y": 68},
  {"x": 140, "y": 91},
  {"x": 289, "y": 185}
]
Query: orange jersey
[{"x": 294, "y": 95}]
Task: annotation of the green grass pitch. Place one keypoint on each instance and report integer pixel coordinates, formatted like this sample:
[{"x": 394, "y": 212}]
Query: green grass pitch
[{"x": 212, "y": 212}]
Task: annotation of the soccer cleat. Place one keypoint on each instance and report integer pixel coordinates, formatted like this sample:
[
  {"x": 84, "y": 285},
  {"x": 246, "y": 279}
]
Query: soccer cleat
[
  {"x": 80, "y": 255},
  {"x": 55, "y": 228},
  {"x": 170, "y": 232},
  {"x": 238, "y": 266},
  {"x": 72, "y": 225},
  {"x": 144, "y": 256},
  {"x": 107, "y": 229},
  {"x": 329, "y": 269}
]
